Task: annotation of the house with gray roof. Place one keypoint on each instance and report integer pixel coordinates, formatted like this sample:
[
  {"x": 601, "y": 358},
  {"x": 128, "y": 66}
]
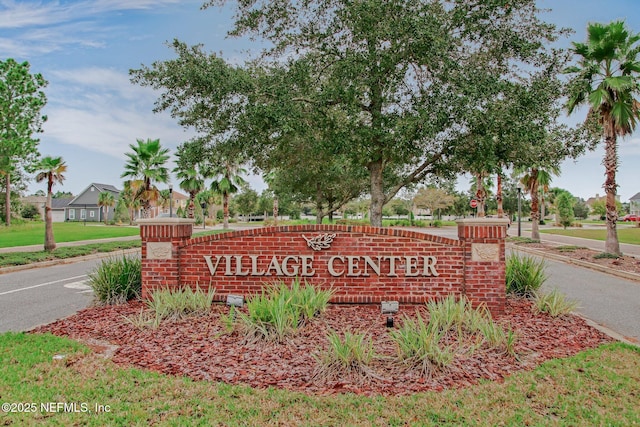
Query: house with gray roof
[{"x": 84, "y": 207}]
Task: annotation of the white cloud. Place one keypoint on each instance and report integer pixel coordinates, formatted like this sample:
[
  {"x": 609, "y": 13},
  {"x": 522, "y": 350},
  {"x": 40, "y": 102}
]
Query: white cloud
[
  {"x": 37, "y": 13},
  {"x": 38, "y": 28},
  {"x": 99, "y": 110}
]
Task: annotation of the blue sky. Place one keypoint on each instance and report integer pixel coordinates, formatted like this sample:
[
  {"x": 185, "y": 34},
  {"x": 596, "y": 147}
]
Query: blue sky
[{"x": 86, "y": 48}]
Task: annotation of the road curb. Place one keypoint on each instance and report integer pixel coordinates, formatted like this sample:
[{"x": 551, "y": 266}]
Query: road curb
[
  {"x": 580, "y": 263},
  {"x": 72, "y": 260}
]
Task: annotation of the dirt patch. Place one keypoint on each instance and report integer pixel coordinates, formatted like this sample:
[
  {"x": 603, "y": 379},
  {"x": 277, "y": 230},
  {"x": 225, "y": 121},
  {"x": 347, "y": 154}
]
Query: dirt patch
[{"x": 202, "y": 349}]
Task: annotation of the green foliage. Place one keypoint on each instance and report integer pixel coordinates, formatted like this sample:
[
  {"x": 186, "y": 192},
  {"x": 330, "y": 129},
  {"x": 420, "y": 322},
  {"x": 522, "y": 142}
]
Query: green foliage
[
  {"x": 522, "y": 240},
  {"x": 453, "y": 327},
  {"x": 175, "y": 304},
  {"x": 524, "y": 275},
  {"x": 554, "y": 303},
  {"x": 337, "y": 103},
  {"x": 146, "y": 164},
  {"x": 30, "y": 211},
  {"x": 21, "y": 101},
  {"x": 569, "y": 248},
  {"x": 580, "y": 209},
  {"x": 418, "y": 343},
  {"x": 606, "y": 80},
  {"x": 23, "y": 258},
  {"x": 279, "y": 310},
  {"x": 606, "y": 255},
  {"x": 350, "y": 355},
  {"x": 564, "y": 204},
  {"x": 117, "y": 280}
]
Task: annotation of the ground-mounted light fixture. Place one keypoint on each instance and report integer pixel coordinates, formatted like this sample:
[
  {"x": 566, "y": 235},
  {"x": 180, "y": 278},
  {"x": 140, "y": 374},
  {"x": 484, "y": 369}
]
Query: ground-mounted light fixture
[
  {"x": 389, "y": 308},
  {"x": 235, "y": 300}
]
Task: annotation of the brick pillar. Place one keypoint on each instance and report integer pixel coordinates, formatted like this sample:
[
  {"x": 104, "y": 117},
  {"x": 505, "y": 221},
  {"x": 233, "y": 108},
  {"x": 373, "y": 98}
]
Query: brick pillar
[
  {"x": 484, "y": 259},
  {"x": 161, "y": 238}
]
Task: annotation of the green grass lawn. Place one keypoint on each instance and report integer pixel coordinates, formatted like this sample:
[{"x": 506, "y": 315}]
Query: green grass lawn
[
  {"x": 629, "y": 235},
  {"x": 596, "y": 387},
  {"x": 32, "y": 233}
]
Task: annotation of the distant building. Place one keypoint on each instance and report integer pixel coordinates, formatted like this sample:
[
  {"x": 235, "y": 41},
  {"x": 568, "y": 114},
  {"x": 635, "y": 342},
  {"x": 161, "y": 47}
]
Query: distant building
[
  {"x": 84, "y": 207},
  {"x": 634, "y": 204}
]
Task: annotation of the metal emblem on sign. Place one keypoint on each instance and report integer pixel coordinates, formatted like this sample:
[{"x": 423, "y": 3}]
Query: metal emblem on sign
[{"x": 320, "y": 242}]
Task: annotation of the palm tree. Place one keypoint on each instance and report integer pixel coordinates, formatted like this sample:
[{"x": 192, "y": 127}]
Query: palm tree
[
  {"x": 191, "y": 182},
  {"x": 606, "y": 80},
  {"x": 106, "y": 200},
  {"x": 147, "y": 163},
  {"x": 130, "y": 195},
  {"x": 229, "y": 182},
  {"x": 544, "y": 180},
  {"x": 51, "y": 169}
]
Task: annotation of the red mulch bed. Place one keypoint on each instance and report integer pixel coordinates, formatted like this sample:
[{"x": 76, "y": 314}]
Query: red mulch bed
[{"x": 201, "y": 349}]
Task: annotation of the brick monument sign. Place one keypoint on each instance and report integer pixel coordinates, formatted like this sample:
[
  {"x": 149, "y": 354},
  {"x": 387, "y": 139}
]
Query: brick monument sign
[{"x": 362, "y": 264}]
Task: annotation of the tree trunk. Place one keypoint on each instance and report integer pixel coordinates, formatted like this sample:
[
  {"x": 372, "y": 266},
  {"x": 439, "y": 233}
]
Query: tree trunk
[
  {"x": 377, "y": 193},
  {"x": 49, "y": 240},
  {"x": 481, "y": 195},
  {"x": 225, "y": 210},
  {"x": 499, "y": 196},
  {"x": 276, "y": 208},
  {"x": 612, "y": 246},
  {"x": 535, "y": 214},
  {"x": 7, "y": 199}
]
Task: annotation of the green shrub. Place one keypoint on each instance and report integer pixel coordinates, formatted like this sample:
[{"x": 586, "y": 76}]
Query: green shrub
[
  {"x": 606, "y": 255},
  {"x": 168, "y": 304},
  {"x": 279, "y": 310},
  {"x": 522, "y": 240},
  {"x": 30, "y": 212},
  {"x": 436, "y": 223},
  {"x": 554, "y": 303},
  {"x": 524, "y": 275},
  {"x": 117, "y": 280},
  {"x": 569, "y": 248}
]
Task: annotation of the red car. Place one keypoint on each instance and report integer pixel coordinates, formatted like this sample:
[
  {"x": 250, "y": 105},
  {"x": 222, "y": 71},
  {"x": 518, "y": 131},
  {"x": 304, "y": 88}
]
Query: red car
[{"x": 631, "y": 217}]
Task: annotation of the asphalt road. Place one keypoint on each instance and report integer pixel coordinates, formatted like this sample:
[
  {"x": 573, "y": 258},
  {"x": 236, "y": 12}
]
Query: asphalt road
[
  {"x": 607, "y": 300},
  {"x": 42, "y": 295}
]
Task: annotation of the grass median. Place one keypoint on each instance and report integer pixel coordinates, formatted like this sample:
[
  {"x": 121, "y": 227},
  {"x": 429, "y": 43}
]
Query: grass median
[
  {"x": 32, "y": 233},
  {"x": 596, "y": 387},
  {"x": 630, "y": 235}
]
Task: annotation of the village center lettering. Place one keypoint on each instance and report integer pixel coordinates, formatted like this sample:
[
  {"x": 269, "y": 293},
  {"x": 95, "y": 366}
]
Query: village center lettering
[{"x": 337, "y": 266}]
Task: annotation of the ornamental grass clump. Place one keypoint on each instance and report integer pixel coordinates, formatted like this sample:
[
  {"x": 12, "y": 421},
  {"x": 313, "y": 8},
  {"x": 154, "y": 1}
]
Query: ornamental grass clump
[
  {"x": 117, "y": 280},
  {"x": 554, "y": 303},
  {"x": 453, "y": 327},
  {"x": 175, "y": 304},
  {"x": 524, "y": 275},
  {"x": 280, "y": 310},
  {"x": 347, "y": 356}
]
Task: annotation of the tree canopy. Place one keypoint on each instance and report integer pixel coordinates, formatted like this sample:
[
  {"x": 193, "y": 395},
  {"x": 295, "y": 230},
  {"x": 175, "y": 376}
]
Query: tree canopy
[
  {"x": 391, "y": 90},
  {"x": 21, "y": 101}
]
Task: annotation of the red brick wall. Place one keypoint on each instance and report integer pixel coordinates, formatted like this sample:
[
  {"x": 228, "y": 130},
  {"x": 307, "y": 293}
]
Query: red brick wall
[{"x": 459, "y": 272}]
